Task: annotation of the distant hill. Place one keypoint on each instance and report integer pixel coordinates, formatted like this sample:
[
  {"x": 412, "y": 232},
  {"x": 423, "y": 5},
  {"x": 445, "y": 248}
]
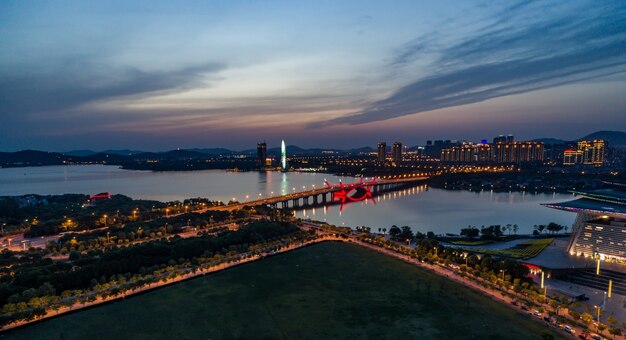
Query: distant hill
[
  {"x": 549, "y": 141},
  {"x": 80, "y": 153},
  {"x": 214, "y": 151},
  {"x": 31, "y": 157},
  {"x": 615, "y": 138},
  {"x": 124, "y": 152},
  {"x": 365, "y": 149},
  {"x": 83, "y": 153}
]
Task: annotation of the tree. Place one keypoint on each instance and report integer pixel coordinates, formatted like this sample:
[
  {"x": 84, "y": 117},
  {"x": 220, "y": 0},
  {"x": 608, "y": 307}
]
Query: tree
[
  {"x": 406, "y": 233},
  {"x": 611, "y": 320},
  {"x": 515, "y": 228},
  {"x": 394, "y": 231},
  {"x": 615, "y": 331},
  {"x": 601, "y": 327},
  {"x": 587, "y": 318},
  {"x": 470, "y": 232}
]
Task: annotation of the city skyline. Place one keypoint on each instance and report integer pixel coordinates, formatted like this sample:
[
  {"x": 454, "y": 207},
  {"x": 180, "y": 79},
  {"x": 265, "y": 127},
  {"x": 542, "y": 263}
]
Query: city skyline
[{"x": 110, "y": 76}]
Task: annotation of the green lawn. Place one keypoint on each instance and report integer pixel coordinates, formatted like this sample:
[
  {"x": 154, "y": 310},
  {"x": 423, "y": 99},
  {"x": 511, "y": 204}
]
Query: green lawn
[
  {"x": 330, "y": 290},
  {"x": 523, "y": 250}
]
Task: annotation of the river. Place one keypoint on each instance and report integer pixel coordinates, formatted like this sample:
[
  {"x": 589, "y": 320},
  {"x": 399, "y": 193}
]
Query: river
[{"x": 422, "y": 208}]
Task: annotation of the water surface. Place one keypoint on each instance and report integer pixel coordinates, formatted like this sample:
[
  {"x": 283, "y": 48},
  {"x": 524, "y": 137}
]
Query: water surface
[{"x": 422, "y": 208}]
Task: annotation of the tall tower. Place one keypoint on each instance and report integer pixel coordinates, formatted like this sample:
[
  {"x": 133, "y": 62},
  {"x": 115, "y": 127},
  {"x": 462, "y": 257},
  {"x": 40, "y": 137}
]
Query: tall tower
[
  {"x": 397, "y": 152},
  {"x": 261, "y": 153},
  {"x": 283, "y": 155},
  {"x": 382, "y": 152}
]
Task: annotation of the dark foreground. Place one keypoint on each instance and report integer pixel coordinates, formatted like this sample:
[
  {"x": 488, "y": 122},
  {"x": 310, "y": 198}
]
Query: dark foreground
[{"x": 329, "y": 290}]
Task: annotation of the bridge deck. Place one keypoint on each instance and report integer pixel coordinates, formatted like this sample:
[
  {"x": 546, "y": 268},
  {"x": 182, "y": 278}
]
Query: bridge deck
[{"x": 313, "y": 192}]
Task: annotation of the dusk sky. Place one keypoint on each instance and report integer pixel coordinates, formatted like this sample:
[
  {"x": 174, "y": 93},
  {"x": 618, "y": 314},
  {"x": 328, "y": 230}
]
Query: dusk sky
[{"x": 156, "y": 75}]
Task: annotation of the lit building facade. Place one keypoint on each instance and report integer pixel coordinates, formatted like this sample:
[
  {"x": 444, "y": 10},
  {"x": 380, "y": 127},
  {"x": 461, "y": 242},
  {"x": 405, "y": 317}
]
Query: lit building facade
[
  {"x": 261, "y": 154},
  {"x": 588, "y": 153},
  {"x": 467, "y": 153},
  {"x": 518, "y": 152},
  {"x": 600, "y": 227},
  {"x": 381, "y": 157},
  {"x": 572, "y": 157},
  {"x": 397, "y": 152}
]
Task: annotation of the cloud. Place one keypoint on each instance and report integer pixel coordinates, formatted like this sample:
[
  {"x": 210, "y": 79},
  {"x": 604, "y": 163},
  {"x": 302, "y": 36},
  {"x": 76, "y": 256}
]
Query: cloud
[
  {"x": 516, "y": 53},
  {"x": 72, "y": 84}
]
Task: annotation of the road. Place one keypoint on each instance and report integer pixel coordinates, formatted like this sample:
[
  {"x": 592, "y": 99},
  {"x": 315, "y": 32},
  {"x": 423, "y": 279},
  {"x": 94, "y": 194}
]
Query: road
[{"x": 17, "y": 241}]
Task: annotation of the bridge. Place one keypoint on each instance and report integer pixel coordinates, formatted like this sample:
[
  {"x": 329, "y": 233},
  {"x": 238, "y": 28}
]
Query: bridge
[{"x": 326, "y": 194}]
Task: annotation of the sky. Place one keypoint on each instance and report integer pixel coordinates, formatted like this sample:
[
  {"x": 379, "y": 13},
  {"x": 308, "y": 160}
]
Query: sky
[{"x": 158, "y": 75}]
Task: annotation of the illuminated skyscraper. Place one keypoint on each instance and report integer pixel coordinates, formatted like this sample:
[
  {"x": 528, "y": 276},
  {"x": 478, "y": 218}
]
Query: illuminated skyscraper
[
  {"x": 397, "y": 152},
  {"x": 382, "y": 152},
  {"x": 283, "y": 155},
  {"x": 261, "y": 153}
]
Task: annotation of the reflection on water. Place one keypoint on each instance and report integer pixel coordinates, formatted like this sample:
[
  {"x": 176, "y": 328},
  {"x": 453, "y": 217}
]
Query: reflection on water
[
  {"x": 216, "y": 185},
  {"x": 420, "y": 207},
  {"x": 427, "y": 209}
]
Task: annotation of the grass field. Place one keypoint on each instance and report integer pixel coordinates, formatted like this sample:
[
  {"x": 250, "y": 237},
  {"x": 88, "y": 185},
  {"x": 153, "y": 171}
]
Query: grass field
[
  {"x": 329, "y": 290},
  {"x": 522, "y": 250},
  {"x": 471, "y": 243}
]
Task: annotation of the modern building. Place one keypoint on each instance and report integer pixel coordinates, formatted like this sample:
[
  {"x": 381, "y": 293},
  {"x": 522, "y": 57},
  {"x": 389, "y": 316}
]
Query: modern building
[
  {"x": 600, "y": 227},
  {"x": 518, "y": 152},
  {"x": 587, "y": 153},
  {"x": 467, "y": 153},
  {"x": 397, "y": 152},
  {"x": 381, "y": 157},
  {"x": 261, "y": 154},
  {"x": 572, "y": 157},
  {"x": 503, "y": 139}
]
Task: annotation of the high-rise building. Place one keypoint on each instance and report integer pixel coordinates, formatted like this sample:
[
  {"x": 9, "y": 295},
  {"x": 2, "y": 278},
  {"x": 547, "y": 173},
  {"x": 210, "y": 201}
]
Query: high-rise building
[
  {"x": 587, "y": 153},
  {"x": 397, "y": 152},
  {"x": 382, "y": 152},
  {"x": 599, "y": 152},
  {"x": 518, "y": 152},
  {"x": 261, "y": 154},
  {"x": 467, "y": 153},
  {"x": 572, "y": 157}
]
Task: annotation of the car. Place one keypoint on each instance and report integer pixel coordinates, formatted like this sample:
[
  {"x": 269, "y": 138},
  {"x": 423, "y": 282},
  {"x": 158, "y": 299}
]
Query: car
[
  {"x": 569, "y": 330},
  {"x": 525, "y": 308},
  {"x": 596, "y": 336},
  {"x": 546, "y": 318},
  {"x": 536, "y": 313}
]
